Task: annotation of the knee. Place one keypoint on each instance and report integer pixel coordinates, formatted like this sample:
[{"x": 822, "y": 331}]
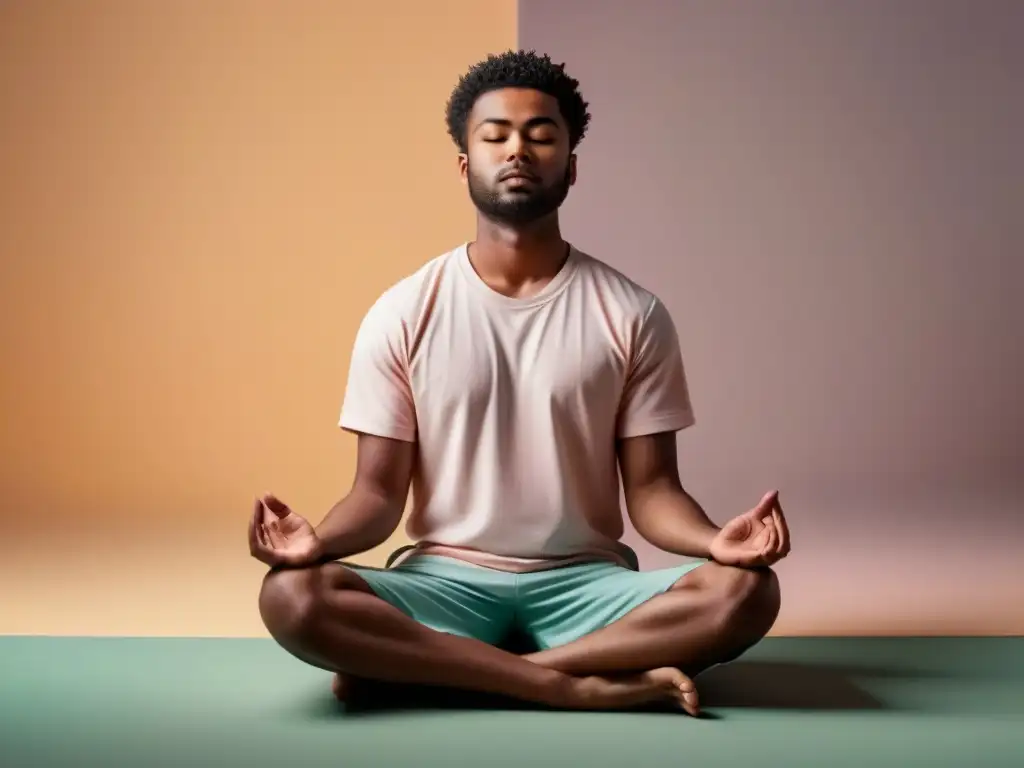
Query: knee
[
  {"x": 290, "y": 601},
  {"x": 748, "y": 600}
]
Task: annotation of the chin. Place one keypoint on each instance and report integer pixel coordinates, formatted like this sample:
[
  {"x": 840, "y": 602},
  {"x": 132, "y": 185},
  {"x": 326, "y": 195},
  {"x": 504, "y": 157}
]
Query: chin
[{"x": 516, "y": 200}]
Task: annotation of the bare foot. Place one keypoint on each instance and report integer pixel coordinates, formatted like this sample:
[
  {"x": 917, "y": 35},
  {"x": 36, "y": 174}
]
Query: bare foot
[
  {"x": 341, "y": 687},
  {"x": 594, "y": 692},
  {"x": 663, "y": 684}
]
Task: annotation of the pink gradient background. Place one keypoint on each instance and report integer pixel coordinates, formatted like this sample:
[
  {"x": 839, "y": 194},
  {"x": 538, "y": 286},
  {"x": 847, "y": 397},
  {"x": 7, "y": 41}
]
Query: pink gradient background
[{"x": 829, "y": 197}]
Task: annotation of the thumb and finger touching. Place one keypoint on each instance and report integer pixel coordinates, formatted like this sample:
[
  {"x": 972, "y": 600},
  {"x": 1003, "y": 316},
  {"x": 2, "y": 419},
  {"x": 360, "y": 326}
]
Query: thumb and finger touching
[
  {"x": 276, "y": 506},
  {"x": 256, "y": 528},
  {"x": 765, "y": 505},
  {"x": 283, "y": 536},
  {"x": 782, "y": 531},
  {"x": 768, "y": 551},
  {"x": 265, "y": 535}
]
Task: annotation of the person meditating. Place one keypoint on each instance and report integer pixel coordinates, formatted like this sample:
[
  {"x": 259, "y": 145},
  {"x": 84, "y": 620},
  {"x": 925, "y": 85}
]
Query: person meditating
[{"x": 508, "y": 384}]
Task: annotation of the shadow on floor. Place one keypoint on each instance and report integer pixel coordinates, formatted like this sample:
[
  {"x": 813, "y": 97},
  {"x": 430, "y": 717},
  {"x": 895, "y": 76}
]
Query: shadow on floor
[
  {"x": 753, "y": 683},
  {"x": 788, "y": 685}
]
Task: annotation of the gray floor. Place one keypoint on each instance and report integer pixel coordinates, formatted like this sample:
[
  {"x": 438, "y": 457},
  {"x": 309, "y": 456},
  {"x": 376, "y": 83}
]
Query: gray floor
[{"x": 790, "y": 701}]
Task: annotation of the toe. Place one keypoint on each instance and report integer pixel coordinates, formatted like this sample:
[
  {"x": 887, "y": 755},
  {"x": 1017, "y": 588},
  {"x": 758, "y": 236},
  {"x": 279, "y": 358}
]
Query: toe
[
  {"x": 340, "y": 687},
  {"x": 688, "y": 695},
  {"x": 691, "y": 703}
]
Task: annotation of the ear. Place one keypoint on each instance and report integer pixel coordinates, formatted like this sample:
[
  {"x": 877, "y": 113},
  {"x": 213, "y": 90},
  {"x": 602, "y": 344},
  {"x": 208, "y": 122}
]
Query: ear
[
  {"x": 572, "y": 169},
  {"x": 463, "y": 167}
]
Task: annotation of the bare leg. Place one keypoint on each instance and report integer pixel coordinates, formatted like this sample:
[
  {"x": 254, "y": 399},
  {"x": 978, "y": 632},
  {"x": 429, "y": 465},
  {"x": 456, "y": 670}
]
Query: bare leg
[
  {"x": 711, "y": 615},
  {"x": 328, "y": 617}
]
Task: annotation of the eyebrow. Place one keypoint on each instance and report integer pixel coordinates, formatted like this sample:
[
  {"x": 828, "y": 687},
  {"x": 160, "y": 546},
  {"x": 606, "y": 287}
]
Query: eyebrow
[{"x": 531, "y": 123}]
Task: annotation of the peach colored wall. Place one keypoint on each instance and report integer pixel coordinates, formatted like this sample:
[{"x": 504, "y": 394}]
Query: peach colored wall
[
  {"x": 198, "y": 202},
  {"x": 829, "y": 197}
]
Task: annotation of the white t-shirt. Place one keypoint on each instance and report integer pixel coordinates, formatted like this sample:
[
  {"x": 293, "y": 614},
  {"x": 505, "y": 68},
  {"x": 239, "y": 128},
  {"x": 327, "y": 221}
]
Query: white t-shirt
[{"x": 516, "y": 405}]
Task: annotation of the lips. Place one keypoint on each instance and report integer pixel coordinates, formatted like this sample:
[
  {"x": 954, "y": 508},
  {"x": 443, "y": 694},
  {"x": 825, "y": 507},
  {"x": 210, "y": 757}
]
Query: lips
[{"x": 517, "y": 175}]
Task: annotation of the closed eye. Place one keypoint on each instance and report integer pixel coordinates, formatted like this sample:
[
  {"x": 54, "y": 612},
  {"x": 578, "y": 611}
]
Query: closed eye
[{"x": 531, "y": 140}]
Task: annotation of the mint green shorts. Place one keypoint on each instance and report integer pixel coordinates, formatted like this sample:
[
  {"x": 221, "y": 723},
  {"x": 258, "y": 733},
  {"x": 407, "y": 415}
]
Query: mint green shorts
[{"x": 547, "y": 608}]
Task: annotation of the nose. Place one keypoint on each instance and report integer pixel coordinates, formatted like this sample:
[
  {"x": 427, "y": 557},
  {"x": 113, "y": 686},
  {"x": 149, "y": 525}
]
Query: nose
[{"x": 516, "y": 148}]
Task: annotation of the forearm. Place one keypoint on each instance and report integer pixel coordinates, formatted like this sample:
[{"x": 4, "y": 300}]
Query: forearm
[
  {"x": 672, "y": 520},
  {"x": 359, "y": 522}
]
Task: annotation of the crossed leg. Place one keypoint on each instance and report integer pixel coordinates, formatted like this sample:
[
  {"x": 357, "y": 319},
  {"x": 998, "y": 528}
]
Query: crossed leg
[
  {"x": 329, "y": 617},
  {"x": 710, "y": 616}
]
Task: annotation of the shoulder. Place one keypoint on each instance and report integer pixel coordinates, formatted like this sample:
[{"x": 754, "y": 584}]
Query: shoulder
[
  {"x": 405, "y": 302},
  {"x": 619, "y": 293}
]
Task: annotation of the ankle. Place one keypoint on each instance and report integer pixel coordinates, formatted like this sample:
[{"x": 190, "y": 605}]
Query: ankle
[{"x": 563, "y": 691}]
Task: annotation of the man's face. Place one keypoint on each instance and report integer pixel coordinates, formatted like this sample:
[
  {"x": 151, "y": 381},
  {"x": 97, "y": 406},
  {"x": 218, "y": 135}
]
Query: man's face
[{"x": 518, "y": 165}]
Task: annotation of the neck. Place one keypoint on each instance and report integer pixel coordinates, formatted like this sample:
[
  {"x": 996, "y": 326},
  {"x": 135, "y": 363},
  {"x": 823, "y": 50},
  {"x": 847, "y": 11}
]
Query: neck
[{"x": 512, "y": 259}]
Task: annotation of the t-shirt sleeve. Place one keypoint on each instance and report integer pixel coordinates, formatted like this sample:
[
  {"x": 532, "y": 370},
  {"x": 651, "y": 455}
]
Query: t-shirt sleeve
[
  {"x": 656, "y": 397},
  {"x": 378, "y": 396}
]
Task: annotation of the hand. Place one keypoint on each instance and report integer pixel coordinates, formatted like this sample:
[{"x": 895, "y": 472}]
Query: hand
[
  {"x": 279, "y": 537},
  {"x": 759, "y": 537}
]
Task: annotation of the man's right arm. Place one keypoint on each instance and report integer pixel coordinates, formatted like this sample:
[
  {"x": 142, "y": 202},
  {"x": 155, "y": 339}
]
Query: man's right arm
[{"x": 373, "y": 509}]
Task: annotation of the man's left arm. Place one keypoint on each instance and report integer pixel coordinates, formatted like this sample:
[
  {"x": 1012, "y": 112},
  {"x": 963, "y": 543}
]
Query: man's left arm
[
  {"x": 660, "y": 509},
  {"x": 655, "y": 407}
]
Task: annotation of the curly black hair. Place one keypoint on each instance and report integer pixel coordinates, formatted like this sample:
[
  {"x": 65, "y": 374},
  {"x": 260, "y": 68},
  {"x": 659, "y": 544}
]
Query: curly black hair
[{"x": 517, "y": 69}]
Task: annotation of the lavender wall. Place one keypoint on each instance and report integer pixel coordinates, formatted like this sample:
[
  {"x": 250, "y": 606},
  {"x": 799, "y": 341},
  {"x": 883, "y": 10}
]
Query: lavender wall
[{"x": 829, "y": 196}]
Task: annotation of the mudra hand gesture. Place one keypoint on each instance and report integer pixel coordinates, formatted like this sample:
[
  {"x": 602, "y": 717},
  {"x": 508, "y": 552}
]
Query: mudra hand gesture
[
  {"x": 281, "y": 538},
  {"x": 759, "y": 537}
]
